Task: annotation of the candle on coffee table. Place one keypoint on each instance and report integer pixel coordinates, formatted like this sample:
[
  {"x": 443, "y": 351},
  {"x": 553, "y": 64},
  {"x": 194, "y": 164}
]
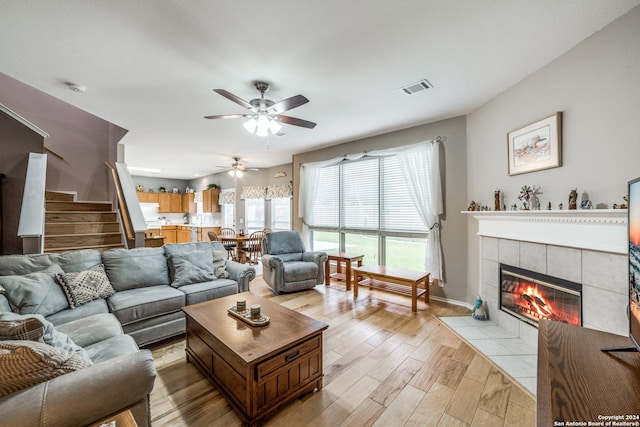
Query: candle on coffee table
[
  {"x": 241, "y": 304},
  {"x": 255, "y": 311}
]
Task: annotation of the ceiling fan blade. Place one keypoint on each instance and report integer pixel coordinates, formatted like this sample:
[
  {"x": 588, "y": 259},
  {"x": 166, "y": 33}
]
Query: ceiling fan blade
[
  {"x": 228, "y": 116},
  {"x": 295, "y": 121},
  {"x": 232, "y": 97},
  {"x": 288, "y": 104}
]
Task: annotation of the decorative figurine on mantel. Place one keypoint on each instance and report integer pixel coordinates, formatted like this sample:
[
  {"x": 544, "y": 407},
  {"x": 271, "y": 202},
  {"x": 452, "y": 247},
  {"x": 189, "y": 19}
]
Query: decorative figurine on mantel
[
  {"x": 496, "y": 200},
  {"x": 549, "y": 206},
  {"x": 622, "y": 206},
  {"x": 573, "y": 199},
  {"x": 585, "y": 203},
  {"x": 529, "y": 197},
  {"x": 535, "y": 201},
  {"x": 472, "y": 206}
]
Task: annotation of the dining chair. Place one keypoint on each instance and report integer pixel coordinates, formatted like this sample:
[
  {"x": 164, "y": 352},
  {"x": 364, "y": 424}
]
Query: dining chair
[
  {"x": 267, "y": 230},
  {"x": 229, "y": 245},
  {"x": 253, "y": 246},
  {"x": 213, "y": 236}
]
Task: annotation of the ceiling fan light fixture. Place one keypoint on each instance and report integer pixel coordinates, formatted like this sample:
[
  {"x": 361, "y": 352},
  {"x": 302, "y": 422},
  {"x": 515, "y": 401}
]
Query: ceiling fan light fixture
[
  {"x": 239, "y": 173},
  {"x": 232, "y": 173},
  {"x": 251, "y": 125},
  {"x": 274, "y": 127}
]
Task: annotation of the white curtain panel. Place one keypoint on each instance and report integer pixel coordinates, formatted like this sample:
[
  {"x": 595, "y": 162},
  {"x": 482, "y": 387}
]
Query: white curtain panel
[{"x": 420, "y": 166}]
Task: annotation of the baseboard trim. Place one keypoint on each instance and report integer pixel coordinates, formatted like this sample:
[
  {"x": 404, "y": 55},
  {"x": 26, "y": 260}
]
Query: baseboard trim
[{"x": 452, "y": 301}]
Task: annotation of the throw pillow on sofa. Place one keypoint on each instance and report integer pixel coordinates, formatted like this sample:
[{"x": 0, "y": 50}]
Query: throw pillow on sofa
[
  {"x": 21, "y": 329},
  {"x": 219, "y": 263},
  {"x": 24, "y": 364},
  {"x": 51, "y": 336},
  {"x": 85, "y": 286},
  {"x": 191, "y": 267},
  {"x": 35, "y": 292}
]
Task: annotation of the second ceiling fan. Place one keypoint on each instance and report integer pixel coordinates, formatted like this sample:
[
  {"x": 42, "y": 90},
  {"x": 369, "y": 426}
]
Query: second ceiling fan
[
  {"x": 264, "y": 114},
  {"x": 237, "y": 169}
]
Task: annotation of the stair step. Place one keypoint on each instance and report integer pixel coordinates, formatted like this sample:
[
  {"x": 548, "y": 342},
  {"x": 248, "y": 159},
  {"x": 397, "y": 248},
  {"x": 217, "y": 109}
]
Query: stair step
[
  {"x": 62, "y": 196},
  {"x": 75, "y": 248},
  {"x": 80, "y": 216},
  {"x": 81, "y": 227},
  {"x": 57, "y": 206},
  {"x": 75, "y": 240}
]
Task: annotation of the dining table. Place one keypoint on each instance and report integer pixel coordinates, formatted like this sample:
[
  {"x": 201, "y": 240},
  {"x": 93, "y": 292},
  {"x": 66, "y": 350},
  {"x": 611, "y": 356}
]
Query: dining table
[{"x": 239, "y": 240}]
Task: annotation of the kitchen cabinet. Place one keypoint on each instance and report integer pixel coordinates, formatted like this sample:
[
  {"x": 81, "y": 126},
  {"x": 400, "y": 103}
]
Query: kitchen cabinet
[
  {"x": 147, "y": 197},
  {"x": 164, "y": 200},
  {"x": 175, "y": 202},
  {"x": 203, "y": 233},
  {"x": 169, "y": 232},
  {"x": 210, "y": 198},
  {"x": 183, "y": 234},
  {"x": 188, "y": 203}
]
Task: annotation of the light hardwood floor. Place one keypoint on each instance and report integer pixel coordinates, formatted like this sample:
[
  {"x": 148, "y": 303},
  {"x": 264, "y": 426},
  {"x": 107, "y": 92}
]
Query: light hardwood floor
[{"x": 383, "y": 366}]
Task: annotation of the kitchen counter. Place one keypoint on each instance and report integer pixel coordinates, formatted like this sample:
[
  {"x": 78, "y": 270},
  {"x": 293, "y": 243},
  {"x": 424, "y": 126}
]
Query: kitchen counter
[{"x": 181, "y": 233}]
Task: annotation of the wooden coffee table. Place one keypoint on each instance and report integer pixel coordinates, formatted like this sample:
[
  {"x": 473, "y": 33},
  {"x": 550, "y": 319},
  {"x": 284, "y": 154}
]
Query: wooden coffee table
[{"x": 257, "y": 369}]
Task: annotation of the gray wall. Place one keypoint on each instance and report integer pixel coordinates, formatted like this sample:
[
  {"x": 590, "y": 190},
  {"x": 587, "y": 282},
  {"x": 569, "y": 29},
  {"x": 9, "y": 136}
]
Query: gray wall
[
  {"x": 82, "y": 139},
  {"x": 259, "y": 178},
  {"x": 454, "y": 226},
  {"x": 597, "y": 87}
]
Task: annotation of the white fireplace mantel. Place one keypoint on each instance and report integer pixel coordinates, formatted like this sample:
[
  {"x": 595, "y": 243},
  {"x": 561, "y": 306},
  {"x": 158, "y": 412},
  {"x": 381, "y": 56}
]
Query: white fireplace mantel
[{"x": 596, "y": 229}]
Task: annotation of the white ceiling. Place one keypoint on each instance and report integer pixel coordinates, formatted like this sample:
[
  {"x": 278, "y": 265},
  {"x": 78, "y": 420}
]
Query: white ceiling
[{"x": 149, "y": 66}]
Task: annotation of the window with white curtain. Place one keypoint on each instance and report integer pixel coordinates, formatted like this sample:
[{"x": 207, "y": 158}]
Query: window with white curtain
[
  {"x": 227, "y": 213},
  {"x": 367, "y": 203},
  {"x": 253, "y": 215},
  {"x": 281, "y": 214}
]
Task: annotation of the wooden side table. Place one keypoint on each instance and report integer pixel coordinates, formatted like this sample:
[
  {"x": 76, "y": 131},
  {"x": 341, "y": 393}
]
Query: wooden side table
[{"x": 340, "y": 258}]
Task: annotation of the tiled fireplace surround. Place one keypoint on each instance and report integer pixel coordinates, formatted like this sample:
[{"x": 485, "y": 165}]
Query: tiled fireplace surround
[{"x": 588, "y": 247}]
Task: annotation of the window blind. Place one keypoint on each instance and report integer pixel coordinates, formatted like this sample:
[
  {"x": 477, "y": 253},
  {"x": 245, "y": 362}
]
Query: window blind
[
  {"x": 360, "y": 194},
  {"x": 366, "y": 194}
]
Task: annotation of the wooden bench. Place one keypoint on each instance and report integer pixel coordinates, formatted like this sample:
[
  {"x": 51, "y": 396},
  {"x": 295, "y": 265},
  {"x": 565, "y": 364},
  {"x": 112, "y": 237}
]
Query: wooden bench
[{"x": 394, "y": 280}]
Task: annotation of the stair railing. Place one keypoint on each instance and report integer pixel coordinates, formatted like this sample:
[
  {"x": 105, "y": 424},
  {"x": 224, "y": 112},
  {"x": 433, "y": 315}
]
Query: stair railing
[
  {"x": 32, "y": 215},
  {"x": 128, "y": 205}
]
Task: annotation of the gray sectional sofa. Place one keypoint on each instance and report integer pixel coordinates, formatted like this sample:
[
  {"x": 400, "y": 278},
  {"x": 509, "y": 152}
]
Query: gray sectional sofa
[{"x": 146, "y": 289}]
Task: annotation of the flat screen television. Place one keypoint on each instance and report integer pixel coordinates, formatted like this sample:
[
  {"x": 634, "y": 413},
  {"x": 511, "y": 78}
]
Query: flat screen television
[
  {"x": 634, "y": 262},
  {"x": 633, "y": 226}
]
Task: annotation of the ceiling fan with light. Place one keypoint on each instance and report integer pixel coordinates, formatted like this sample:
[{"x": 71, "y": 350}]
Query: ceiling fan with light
[
  {"x": 237, "y": 169},
  {"x": 264, "y": 114}
]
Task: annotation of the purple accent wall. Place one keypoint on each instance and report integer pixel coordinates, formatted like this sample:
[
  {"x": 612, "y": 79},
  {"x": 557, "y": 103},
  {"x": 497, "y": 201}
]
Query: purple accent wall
[
  {"x": 82, "y": 139},
  {"x": 17, "y": 141}
]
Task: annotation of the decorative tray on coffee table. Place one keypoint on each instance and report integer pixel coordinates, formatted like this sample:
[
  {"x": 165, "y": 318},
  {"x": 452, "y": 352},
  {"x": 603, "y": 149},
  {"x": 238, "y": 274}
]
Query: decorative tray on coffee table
[{"x": 245, "y": 316}]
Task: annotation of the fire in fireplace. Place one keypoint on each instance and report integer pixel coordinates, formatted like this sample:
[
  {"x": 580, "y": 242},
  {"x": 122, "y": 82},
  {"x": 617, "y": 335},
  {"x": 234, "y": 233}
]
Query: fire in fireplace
[{"x": 531, "y": 296}]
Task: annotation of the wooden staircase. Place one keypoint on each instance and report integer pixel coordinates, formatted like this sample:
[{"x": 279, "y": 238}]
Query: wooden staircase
[{"x": 72, "y": 225}]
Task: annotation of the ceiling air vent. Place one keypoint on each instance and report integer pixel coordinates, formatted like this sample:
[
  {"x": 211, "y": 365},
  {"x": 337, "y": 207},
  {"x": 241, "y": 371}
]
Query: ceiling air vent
[{"x": 416, "y": 87}]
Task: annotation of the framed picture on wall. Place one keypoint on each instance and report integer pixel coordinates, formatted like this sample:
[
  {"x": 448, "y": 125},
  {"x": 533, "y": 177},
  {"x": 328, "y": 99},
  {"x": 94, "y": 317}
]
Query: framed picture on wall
[{"x": 536, "y": 146}]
